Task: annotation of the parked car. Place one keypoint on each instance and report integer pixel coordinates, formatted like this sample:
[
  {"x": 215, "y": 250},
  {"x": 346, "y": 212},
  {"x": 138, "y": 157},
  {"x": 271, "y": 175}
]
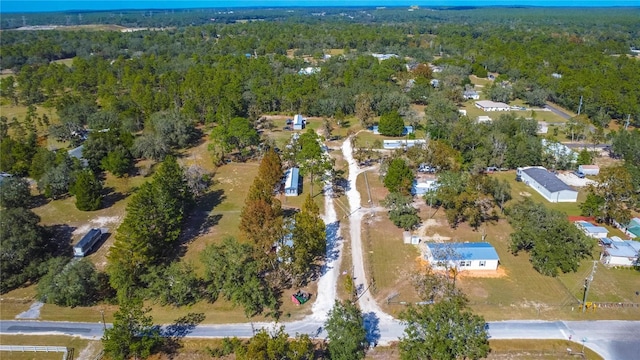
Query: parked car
[
  {"x": 289, "y": 122},
  {"x": 579, "y": 174},
  {"x": 286, "y": 128},
  {"x": 491, "y": 169}
]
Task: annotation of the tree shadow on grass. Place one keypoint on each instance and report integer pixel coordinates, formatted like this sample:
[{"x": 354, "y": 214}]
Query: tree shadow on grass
[
  {"x": 175, "y": 332},
  {"x": 110, "y": 197},
  {"x": 200, "y": 219},
  {"x": 60, "y": 236}
]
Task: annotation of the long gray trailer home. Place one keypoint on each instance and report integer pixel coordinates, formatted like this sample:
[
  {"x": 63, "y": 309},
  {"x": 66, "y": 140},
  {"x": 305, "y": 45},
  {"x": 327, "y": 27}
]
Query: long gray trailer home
[{"x": 86, "y": 244}]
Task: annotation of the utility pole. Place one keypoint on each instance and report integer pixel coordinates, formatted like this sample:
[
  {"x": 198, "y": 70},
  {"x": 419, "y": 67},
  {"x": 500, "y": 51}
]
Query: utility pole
[
  {"x": 104, "y": 324},
  {"x": 587, "y": 284},
  {"x": 580, "y": 106}
]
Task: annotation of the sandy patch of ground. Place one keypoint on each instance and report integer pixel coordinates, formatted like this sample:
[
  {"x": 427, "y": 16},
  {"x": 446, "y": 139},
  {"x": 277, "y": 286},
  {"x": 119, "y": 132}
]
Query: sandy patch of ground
[
  {"x": 573, "y": 180},
  {"x": 99, "y": 222},
  {"x": 524, "y": 193},
  {"x": 32, "y": 313},
  {"x": 422, "y": 230},
  {"x": 499, "y": 273}
]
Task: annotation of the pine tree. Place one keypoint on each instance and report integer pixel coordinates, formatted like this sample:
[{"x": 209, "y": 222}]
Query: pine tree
[
  {"x": 88, "y": 191},
  {"x": 309, "y": 239},
  {"x": 261, "y": 220},
  {"x": 270, "y": 168},
  {"x": 345, "y": 331}
]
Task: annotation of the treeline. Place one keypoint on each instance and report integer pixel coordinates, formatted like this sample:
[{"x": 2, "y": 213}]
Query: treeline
[{"x": 179, "y": 67}]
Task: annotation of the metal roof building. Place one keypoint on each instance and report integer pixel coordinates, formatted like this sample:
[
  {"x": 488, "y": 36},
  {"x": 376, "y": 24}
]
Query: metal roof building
[
  {"x": 547, "y": 184},
  {"x": 463, "y": 256},
  {"x": 292, "y": 183}
]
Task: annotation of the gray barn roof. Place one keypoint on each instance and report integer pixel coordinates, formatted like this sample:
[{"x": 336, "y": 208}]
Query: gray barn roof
[{"x": 547, "y": 179}]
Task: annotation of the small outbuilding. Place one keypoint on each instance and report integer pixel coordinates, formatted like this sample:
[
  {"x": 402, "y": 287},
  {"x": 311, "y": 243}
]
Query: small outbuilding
[
  {"x": 547, "y": 184},
  {"x": 292, "y": 182},
  {"x": 589, "y": 169},
  {"x": 596, "y": 232},
  {"x": 298, "y": 122},
  {"x": 463, "y": 256},
  {"x": 423, "y": 186}
]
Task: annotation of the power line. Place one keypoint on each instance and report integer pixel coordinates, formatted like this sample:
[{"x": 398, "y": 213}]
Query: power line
[{"x": 587, "y": 284}]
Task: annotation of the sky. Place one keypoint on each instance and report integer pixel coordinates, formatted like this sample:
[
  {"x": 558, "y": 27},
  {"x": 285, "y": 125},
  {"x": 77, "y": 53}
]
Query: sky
[{"x": 60, "y": 5}]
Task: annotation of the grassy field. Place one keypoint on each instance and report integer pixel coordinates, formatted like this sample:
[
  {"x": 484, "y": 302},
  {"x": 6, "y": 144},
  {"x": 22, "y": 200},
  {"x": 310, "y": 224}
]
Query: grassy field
[{"x": 88, "y": 348}]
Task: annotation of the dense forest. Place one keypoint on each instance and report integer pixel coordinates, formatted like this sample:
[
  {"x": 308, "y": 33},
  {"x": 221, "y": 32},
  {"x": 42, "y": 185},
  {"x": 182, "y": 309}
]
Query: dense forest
[{"x": 145, "y": 94}]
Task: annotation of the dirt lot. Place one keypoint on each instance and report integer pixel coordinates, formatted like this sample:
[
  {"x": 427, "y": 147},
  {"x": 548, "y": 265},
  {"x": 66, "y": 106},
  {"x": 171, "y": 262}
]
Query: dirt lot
[{"x": 570, "y": 178}]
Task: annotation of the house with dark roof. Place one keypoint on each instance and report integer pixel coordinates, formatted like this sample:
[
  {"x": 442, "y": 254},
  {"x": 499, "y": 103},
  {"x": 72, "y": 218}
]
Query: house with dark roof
[
  {"x": 462, "y": 256},
  {"x": 547, "y": 184}
]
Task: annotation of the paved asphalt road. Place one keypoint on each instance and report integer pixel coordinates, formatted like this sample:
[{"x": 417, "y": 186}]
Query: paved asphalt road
[
  {"x": 611, "y": 339},
  {"x": 558, "y": 112}
]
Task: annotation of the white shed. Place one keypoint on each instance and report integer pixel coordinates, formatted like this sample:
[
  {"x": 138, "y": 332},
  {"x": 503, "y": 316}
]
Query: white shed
[
  {"x": 589, "y": 169},
  {"x": 547, "y": 184},
  {"x": 463, "y": 256},
  {"x": 298, "y": 122}
]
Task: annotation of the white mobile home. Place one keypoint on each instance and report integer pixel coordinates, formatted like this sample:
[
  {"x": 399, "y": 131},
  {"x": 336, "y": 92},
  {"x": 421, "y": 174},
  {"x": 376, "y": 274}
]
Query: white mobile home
[
  {"x": 463, "y": 256},
  {"x": 547, "y": 184}
]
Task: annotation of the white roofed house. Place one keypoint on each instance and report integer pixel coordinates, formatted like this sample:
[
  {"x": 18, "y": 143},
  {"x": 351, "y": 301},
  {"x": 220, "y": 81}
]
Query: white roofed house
[
  {"x": 618, "y": 252},
  {"x": 488, "y": 105},
  {"x": 547, "y": 184}
]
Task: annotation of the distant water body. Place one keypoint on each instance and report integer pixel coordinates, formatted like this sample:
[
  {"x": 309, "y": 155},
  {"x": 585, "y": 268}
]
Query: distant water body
[{"x": 7, "y": 6}]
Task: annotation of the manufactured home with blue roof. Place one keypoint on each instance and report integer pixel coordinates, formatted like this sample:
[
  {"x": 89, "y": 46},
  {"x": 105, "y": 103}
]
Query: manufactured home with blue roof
[
  {"x": 292, "y": 182},
  {"x": 596, "y": 232},
  {"x": 618, "y": 252},
  {"x": 463, "y": 256}
]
